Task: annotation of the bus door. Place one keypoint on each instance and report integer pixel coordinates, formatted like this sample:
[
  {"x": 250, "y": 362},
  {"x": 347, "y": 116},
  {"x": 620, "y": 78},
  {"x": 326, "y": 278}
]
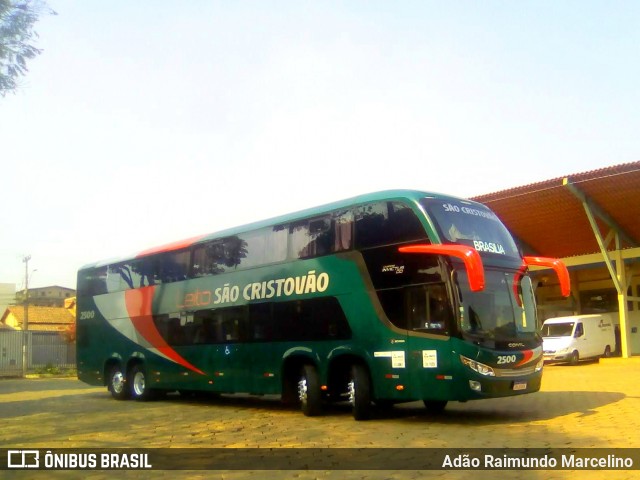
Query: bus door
[
  {"x": 430, "y": 321},
  {"x": 228, "y": 362},
  {"x": 263, "y": 350}
]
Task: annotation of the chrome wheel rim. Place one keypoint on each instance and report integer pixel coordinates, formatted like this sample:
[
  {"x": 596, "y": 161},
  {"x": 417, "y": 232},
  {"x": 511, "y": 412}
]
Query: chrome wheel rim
[
  {"x": 351, "y": 390},
  {"x": 302, "y": 390},
  {"x": 117, "y": 382},
  {"x": 138, "y": 383}
]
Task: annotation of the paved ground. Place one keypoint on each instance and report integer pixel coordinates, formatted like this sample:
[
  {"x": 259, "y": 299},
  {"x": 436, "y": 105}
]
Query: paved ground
[{"x": 588, "y": 406}]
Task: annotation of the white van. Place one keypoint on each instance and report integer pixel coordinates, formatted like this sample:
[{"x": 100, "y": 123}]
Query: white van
[{"x": 570, "y": 339}]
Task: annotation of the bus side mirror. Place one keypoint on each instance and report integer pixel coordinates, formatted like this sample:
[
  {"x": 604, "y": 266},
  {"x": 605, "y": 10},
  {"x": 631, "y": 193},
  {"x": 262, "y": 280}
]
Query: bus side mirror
[
  {"x": 470, "y": 256},
  {"x": 558, "y": 267}
]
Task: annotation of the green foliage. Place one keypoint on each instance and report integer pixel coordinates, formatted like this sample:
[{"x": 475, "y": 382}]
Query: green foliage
[
  {"x": 17, "y": 18},
  {"x": 52, "y": 370}
]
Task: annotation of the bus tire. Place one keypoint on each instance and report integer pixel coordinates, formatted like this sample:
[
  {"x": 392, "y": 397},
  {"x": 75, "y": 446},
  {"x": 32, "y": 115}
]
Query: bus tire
[
  {"x": 309, "y": 391},
  {"x": 359, "y": 390},
  {"x": 138, "y": 385},
  {"x": 435, "y": 406},
  {"x": 117, "y": 383}
]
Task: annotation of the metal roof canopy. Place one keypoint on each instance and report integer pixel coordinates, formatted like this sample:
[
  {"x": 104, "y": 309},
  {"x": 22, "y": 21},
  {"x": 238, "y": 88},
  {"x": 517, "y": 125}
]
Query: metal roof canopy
[{"x": 577, "y": 216}]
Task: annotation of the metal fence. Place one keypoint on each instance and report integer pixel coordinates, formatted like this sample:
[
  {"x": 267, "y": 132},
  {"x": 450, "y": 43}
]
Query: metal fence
[{"x": 44, "y": 350}]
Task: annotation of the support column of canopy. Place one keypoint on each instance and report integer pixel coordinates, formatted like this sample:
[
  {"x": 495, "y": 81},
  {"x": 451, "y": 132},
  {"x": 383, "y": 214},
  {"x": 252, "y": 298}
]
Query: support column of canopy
[{"x": 618, "y": 271}]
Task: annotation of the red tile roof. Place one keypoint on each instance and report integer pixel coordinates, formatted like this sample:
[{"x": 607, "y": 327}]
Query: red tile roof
[
  {"x": 550, "y": 219},
  {"x": 43, "y": 319}
]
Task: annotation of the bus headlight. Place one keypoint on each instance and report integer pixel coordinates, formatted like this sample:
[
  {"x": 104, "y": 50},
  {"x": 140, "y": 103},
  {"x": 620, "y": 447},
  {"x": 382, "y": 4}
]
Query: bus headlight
[
  {"x": 481, "y": 368},
  {"x": 540, "y": 364}
]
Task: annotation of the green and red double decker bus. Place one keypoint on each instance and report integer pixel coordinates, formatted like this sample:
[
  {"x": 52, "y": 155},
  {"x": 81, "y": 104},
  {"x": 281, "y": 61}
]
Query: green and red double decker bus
[{"x": 384, "y": 298}]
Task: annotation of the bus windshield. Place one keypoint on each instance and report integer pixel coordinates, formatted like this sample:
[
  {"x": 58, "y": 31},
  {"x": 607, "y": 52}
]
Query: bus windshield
[
  {"x": 466, "y": 223},
  {"x": 505, "y": 309}
]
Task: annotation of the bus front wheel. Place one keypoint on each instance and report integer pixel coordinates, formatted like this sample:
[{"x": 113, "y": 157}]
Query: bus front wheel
[
  {"x": 359, "y": 390},
  {"x": 309, "y": 391}
]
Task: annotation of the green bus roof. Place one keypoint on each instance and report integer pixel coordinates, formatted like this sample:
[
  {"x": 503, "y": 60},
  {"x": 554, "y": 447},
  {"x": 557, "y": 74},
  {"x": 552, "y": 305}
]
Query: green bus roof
[{"x": 407, "y": 195}]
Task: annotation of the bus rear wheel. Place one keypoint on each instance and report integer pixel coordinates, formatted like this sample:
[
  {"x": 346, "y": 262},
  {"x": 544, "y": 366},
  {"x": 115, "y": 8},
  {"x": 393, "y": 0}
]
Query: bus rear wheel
[
  {"x": 117, "y": 384},
  {"x": 359, "y": 391},
  {"x": 138, "y": 383},
  {"x": 309, "y": 391}
]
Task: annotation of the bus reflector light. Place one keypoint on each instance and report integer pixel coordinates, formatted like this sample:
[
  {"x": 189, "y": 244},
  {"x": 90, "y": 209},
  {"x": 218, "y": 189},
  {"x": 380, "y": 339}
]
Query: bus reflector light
[
  {"x": 210, "y": 382},
  {"x": 444, "y": 377},
  {"x": 475, "y": 385},
  {"x": 399, "y": 387},
  {"x": 268, "y": 374},
  {"x": 219, "y": 374},
  {"x": 324, "y": 388},
  {"x": 391, "y": 375}
]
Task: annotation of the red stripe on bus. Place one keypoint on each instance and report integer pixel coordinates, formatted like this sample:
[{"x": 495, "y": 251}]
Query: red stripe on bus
[
  {"x": 139, "y": 304},
  {"x": 170, "y": 247},
  {"x": 528, "y": 354}
]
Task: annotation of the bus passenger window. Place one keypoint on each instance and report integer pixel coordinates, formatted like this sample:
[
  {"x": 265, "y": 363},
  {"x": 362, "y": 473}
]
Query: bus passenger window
[
  {"x": 299, "y": 239},
  {"x": 276, "y": 244},
  {"x": 230, "y": 330},
  {"x": 428, "y": 309},
  {"x": 208, "y": 259},
  {"x": 173, "y": 266},
  {"x": 93, "y": 281},
  {"x": 404, "y": 224},
  {"x": 261, "y": 323},
  {"x": 320, "y": 235},
  {"x": 176, "y": 332},
  {"x": 254, "y": 244},
  {"x": 385, "y": 223},
  {"x": 371, "y": 221},
  {"x": 234, "y": 323},
  {"x": 119, "y": 278},
  {"x": 342, "y": 230}
]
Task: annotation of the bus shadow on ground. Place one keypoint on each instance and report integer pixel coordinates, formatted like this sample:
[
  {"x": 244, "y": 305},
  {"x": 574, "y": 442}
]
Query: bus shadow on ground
[
  {"x": 536, "y": 407},
  {"x": 520, "y": 409}
]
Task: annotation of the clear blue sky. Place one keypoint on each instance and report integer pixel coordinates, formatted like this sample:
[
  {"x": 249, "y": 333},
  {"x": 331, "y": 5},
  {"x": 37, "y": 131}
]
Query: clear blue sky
[{"x": 151, "y": 121}]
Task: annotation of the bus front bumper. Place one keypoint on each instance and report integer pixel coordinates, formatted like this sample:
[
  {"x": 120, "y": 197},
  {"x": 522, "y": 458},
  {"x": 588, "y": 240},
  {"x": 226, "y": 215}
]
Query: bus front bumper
[
  {"x": 489, "y": 387},
  {"x": 464, "y": 385}
]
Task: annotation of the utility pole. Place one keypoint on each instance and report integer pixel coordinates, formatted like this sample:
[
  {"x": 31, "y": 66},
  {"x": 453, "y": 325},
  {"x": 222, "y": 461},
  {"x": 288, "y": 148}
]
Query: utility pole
[{"x": 25, "y": 323}]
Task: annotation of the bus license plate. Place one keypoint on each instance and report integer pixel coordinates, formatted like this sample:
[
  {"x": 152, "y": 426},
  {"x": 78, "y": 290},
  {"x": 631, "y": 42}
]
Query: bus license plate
[{"x": 519, "y": 385}]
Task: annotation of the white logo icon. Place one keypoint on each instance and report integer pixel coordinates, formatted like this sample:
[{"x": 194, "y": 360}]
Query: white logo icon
[{"x": 23, "y": 459}]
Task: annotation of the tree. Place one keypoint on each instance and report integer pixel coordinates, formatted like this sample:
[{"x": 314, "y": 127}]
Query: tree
[
  {"x": 69, "y": 333},
  {"x": 17, "y": 18}
]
